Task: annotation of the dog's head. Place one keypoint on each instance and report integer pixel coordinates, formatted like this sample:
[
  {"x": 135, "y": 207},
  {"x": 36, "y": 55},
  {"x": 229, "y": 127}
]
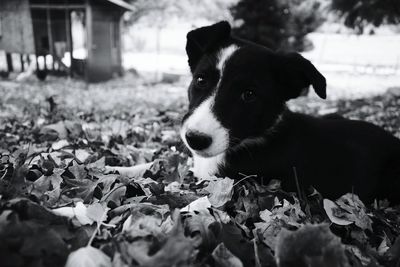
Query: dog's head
[{"x": 239, "y": 88}]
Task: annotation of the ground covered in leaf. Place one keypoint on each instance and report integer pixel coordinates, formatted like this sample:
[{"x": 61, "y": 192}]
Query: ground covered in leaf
[{"x": 65, "y": 198}]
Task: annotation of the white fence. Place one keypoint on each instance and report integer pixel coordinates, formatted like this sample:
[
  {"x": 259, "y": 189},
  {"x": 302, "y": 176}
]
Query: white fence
[{"x": 356, "y": 54}]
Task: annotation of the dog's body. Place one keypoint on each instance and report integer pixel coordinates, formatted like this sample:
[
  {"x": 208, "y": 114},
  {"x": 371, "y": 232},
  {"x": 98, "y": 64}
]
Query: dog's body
[
  {"x": 238, "y": 123},
  {"x": 334, "y": 156}
]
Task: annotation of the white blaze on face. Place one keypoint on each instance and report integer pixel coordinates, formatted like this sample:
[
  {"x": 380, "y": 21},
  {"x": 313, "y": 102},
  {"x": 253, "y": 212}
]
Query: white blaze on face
[
  {"x": 202, "y": 120},
  {"x": 224, "y": 55}
]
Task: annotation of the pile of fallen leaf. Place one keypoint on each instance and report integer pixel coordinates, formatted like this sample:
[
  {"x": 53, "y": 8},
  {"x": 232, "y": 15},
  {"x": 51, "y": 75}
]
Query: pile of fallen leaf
[{"x": 66, "y": 198}]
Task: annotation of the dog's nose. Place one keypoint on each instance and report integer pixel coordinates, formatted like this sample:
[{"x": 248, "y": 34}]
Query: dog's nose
[{"x": 197, "y": 140}]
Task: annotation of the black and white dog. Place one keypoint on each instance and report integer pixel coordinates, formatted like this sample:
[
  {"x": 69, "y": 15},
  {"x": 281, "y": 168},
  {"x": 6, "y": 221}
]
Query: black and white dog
[{"x": 238, "y": 122}]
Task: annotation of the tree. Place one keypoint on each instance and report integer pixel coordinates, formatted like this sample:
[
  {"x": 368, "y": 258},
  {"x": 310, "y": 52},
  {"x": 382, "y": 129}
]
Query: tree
[
  {"x": 157, "y": 12},
  {"x": 277, "y": 24},
  {"x": 359, "y": 13}
]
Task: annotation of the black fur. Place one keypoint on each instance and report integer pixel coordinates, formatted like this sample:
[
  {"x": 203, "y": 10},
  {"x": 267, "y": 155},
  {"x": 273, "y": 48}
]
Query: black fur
[
  {"x": 332, "y": 154},
  {"x": 206, "y": 40}
]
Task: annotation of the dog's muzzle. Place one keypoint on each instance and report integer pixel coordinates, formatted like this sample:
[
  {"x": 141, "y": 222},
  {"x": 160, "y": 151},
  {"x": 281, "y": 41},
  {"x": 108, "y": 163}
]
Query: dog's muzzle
[{"x": 202, "y": 133}]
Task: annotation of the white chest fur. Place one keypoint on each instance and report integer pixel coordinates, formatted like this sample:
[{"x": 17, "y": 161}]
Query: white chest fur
[{"x": 205, "y": 168}]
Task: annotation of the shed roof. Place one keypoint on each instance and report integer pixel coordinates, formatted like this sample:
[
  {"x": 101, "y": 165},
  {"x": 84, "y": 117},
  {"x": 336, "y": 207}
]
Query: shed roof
[{"x": 122, "y": 4}]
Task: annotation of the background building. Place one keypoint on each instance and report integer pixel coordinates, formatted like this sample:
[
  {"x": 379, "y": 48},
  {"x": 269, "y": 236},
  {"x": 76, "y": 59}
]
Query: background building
[{"x": 44, "y": 28}]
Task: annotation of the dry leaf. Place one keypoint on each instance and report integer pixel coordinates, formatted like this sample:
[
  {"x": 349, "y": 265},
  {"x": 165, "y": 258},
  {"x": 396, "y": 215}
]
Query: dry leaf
[{"x": 88, "y": 257}]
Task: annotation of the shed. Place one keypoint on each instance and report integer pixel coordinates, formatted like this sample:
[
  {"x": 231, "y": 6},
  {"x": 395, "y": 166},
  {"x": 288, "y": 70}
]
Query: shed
[{"x": 44, "y": 27}]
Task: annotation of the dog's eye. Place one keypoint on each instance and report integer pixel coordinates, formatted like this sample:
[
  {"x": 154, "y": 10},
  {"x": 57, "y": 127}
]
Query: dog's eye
[
  {"x": 248, "y": 96},
  {"x": 201, "y": 81}
]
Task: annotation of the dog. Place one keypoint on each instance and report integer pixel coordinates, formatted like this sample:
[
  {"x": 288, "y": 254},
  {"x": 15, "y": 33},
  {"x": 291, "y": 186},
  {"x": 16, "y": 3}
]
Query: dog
[{"x": 238, "y": 123}]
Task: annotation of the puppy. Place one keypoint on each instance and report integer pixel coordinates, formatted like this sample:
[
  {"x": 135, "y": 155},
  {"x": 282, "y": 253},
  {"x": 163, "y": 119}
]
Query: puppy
[{"x": 238, "y": 123}]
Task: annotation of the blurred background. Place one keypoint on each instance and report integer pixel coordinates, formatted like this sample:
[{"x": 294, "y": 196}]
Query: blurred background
[{"x": 355, "y": 43}]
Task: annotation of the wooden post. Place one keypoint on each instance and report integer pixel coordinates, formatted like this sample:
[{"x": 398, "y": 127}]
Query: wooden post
[
  {"x": 10, "y": 66},
  {"x": 21, "y": 58},
  {"x": 49, "y": 31},
  {"x": 120, "y": 21},
  {"x": 89, "y": 44},
  {"x": 68, "y": 36},
  {"x": 37, "y": 62}
]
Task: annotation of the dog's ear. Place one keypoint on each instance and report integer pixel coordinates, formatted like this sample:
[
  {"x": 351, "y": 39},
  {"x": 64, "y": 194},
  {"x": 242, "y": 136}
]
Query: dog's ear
[
  {"x": 297, "y": 73},
  {"x": 204, "y": 40}
]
